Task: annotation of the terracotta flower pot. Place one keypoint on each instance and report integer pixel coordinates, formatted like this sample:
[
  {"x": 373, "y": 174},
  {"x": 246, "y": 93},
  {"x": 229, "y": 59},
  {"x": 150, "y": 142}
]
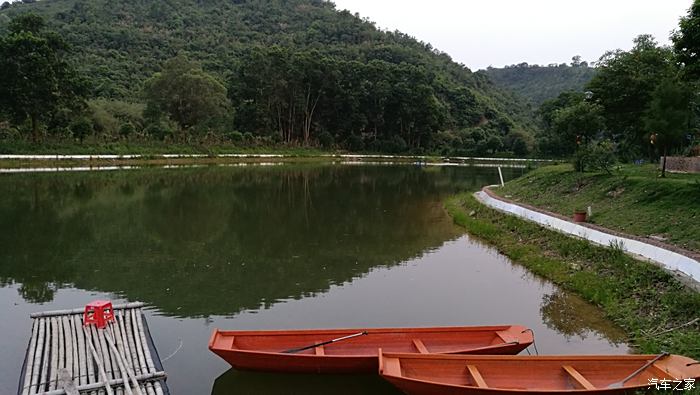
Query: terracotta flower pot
[{"x": 580, "y": 216}]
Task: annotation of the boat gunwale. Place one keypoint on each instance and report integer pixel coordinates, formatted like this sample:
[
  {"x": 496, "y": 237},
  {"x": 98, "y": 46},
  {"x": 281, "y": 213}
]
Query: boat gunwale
[
  {"x": 439, "y": 329},
  {"x": 523, "y": 334},
  {"x": 591, "y": 357},
  {"x": 563, "y": 358}
]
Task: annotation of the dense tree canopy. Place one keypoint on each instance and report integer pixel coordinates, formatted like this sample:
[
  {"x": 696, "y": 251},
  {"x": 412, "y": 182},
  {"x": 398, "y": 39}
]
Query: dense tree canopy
[
  {"x": 541, "y": 83},
  {"x": 297, "y": 72},
  {"x": 668, "y": 116},
  {"x": 624, "y": 84},
  {"x": 686, "y": 42},
  {"x": 185, "y": 93},
  {"x": 37, "y": 82}
]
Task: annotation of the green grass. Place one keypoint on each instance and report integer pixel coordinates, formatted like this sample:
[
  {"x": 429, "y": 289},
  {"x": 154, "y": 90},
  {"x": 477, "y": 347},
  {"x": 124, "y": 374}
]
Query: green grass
[
  {"x": 639, "y": 297},
  {"x": 634, "y": 199},
  {"x": 146, "y": 148}
]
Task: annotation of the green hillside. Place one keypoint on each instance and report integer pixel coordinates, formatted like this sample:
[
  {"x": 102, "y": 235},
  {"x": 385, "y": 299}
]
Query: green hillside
[
  {"x": 431, "y": 102},
  {"x": 541, "y": 83}
]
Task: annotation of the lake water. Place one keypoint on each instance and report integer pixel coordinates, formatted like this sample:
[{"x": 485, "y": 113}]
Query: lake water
[{"x": 267, "y": 247}]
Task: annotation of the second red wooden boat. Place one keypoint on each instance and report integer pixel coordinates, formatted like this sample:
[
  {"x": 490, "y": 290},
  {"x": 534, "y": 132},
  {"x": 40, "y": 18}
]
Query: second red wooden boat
[
  {"x": 295, "y": 350},
  {"x": 523, "y": 375}
]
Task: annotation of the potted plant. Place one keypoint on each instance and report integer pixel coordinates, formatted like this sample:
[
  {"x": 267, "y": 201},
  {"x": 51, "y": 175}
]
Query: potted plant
[{"x": 580, "y": 215}]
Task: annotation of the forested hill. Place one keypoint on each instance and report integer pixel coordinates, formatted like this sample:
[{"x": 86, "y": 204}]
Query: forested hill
[
  {"x": 541, "y": 83},
  {"x": 119, "y": 44}
]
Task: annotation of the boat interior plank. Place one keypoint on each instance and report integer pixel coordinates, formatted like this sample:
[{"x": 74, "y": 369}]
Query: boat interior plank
[
  {"x": 420, "y": 346},
  {"x": 578, "y": 378},
  {"x": 474, "y": 372}
]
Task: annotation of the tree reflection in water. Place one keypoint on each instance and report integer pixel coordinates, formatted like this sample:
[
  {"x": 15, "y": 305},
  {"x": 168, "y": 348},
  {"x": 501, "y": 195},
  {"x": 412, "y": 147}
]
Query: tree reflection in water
[{"x": 571, "y": 316}]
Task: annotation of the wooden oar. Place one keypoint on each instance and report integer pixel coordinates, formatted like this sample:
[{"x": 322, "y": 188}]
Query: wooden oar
[
  {"x": 622, "y": 382},
  {"x": 296, "y": 350}
]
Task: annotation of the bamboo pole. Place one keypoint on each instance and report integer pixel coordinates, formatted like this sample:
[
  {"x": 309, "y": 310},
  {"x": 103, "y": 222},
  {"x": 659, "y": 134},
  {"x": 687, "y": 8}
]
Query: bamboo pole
[
  {"x": 157, "y": 390},
  {"x": 80, "y": 351},
  {"x": 111, "y": 383},
  {"x": 124, "y": 340},
  {"x": 100, "y": 367},
  {"x": 128, "y": 341},
  {"x": 31, "y": 359},
  {"x": 131, "y": 305},
  {"x": 117, "y": 335},
  {"x": 89, "y": 365},
  {"x": 68, "y": 353},
  {"x": 70, "y": 345},
  {"x": 132, "y": 344},
  {"x": 113, "y": 370},
  {"x": 97, "y": 335},
  {"x": 53, "y": 369},
  {"x": 44, "y": 378},
  {"x": 137, "y": 341},
  {"x": 110, "y": 331},
  {"x": 61, "y": 348},
  {"x": 126, "y": 373}
]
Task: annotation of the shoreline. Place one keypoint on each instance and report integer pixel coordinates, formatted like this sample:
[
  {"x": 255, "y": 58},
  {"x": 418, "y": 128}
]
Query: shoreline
[
  {"x": 656, "y": 311},
  {"x": 681, "y": 263},
  {"x": 20, "y": 161}
]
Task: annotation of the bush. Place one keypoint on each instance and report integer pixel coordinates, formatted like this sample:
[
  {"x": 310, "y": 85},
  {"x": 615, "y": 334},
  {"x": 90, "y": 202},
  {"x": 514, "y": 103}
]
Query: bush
[
  {"x": 354, "y": 143},
  {"x": 395, "y": 145},
  {"x": 127, "y": 129},
  {"x": 595, "y": 156},
  {"x": 81, "y": 128},
  {"x": 234, "y": 136},
  {"x": 326, "y": 140},
  {"x": 159, "y": 130}
]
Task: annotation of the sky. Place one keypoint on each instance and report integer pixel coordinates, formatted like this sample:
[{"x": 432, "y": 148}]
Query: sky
[{"x": 482, "y": 33}]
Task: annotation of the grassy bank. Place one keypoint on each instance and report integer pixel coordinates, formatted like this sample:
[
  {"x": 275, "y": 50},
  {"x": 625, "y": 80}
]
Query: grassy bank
[
  {"x": 633, "y": 199},
  {"x": 146, "y": 148},
  {"x": 649, "y": 304}
]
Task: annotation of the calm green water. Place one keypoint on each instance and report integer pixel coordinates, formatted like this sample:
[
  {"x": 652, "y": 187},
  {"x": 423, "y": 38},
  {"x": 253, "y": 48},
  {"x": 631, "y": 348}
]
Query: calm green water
[{"x": 266, "y": 247}]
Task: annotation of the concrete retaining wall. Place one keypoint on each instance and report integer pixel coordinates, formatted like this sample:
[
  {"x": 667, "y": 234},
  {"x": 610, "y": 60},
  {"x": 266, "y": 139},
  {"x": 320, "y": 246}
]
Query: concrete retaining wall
[
  {"x": 683, "y": 164},
  {"x": 669, "y": 260}
]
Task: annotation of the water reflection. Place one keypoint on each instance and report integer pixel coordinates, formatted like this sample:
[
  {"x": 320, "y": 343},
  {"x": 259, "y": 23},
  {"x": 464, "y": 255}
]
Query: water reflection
[
  {"x": 276, "y": 247},
  {"x": 572, "y": 316},
  {"x": 197, "y": 242},
  {"x": 300, "y": 384}
]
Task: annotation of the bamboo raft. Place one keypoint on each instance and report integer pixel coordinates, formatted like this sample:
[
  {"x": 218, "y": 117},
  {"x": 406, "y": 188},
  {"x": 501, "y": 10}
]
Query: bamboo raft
[{"x": 64, "y": 357}]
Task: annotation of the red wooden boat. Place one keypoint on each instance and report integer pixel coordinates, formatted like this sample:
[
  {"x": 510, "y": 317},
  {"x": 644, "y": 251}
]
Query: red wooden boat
[
  {"x": 355, "y": 350},
  {"x": 521, "y": 375}
]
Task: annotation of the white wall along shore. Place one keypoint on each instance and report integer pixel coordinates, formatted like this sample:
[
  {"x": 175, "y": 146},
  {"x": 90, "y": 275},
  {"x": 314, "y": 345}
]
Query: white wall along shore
[{"x": 687, "y": 268}]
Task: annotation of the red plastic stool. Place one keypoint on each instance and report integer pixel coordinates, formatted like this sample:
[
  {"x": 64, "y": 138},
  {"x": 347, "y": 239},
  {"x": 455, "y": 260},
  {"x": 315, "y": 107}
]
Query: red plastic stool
[{"x": 98, "y": 312}]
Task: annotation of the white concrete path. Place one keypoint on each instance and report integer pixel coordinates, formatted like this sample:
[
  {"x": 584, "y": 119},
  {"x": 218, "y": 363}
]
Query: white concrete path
[{"x": 669, "y": 260}]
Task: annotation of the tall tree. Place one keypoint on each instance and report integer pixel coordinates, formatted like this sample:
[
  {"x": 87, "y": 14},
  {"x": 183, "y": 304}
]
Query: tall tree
[
  {"x": 668, "y": 116},
  {"x": 624, "y": 84},
  {"x": 36, "y": 80},
  {"x": 686, "y": 42},
  {"x": 186, "y": 93}
]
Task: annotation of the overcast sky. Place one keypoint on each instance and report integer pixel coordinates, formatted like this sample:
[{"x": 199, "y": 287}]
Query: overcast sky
[{"x": 479, "y": 33}]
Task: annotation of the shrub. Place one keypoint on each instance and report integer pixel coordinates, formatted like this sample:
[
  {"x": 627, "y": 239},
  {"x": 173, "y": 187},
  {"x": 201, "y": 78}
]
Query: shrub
[
  {"x": 80, "y": 128},
  {"x": 395, "y": 145},
  {"x": 595, "y": 156},
  {"x": 234, "y": 136},
  {"x": 159, "y": 130},
  {"x": 127, "y": 129},
  {"x": 326, "y": 140},
  {"x": 354, "y": 143}
]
